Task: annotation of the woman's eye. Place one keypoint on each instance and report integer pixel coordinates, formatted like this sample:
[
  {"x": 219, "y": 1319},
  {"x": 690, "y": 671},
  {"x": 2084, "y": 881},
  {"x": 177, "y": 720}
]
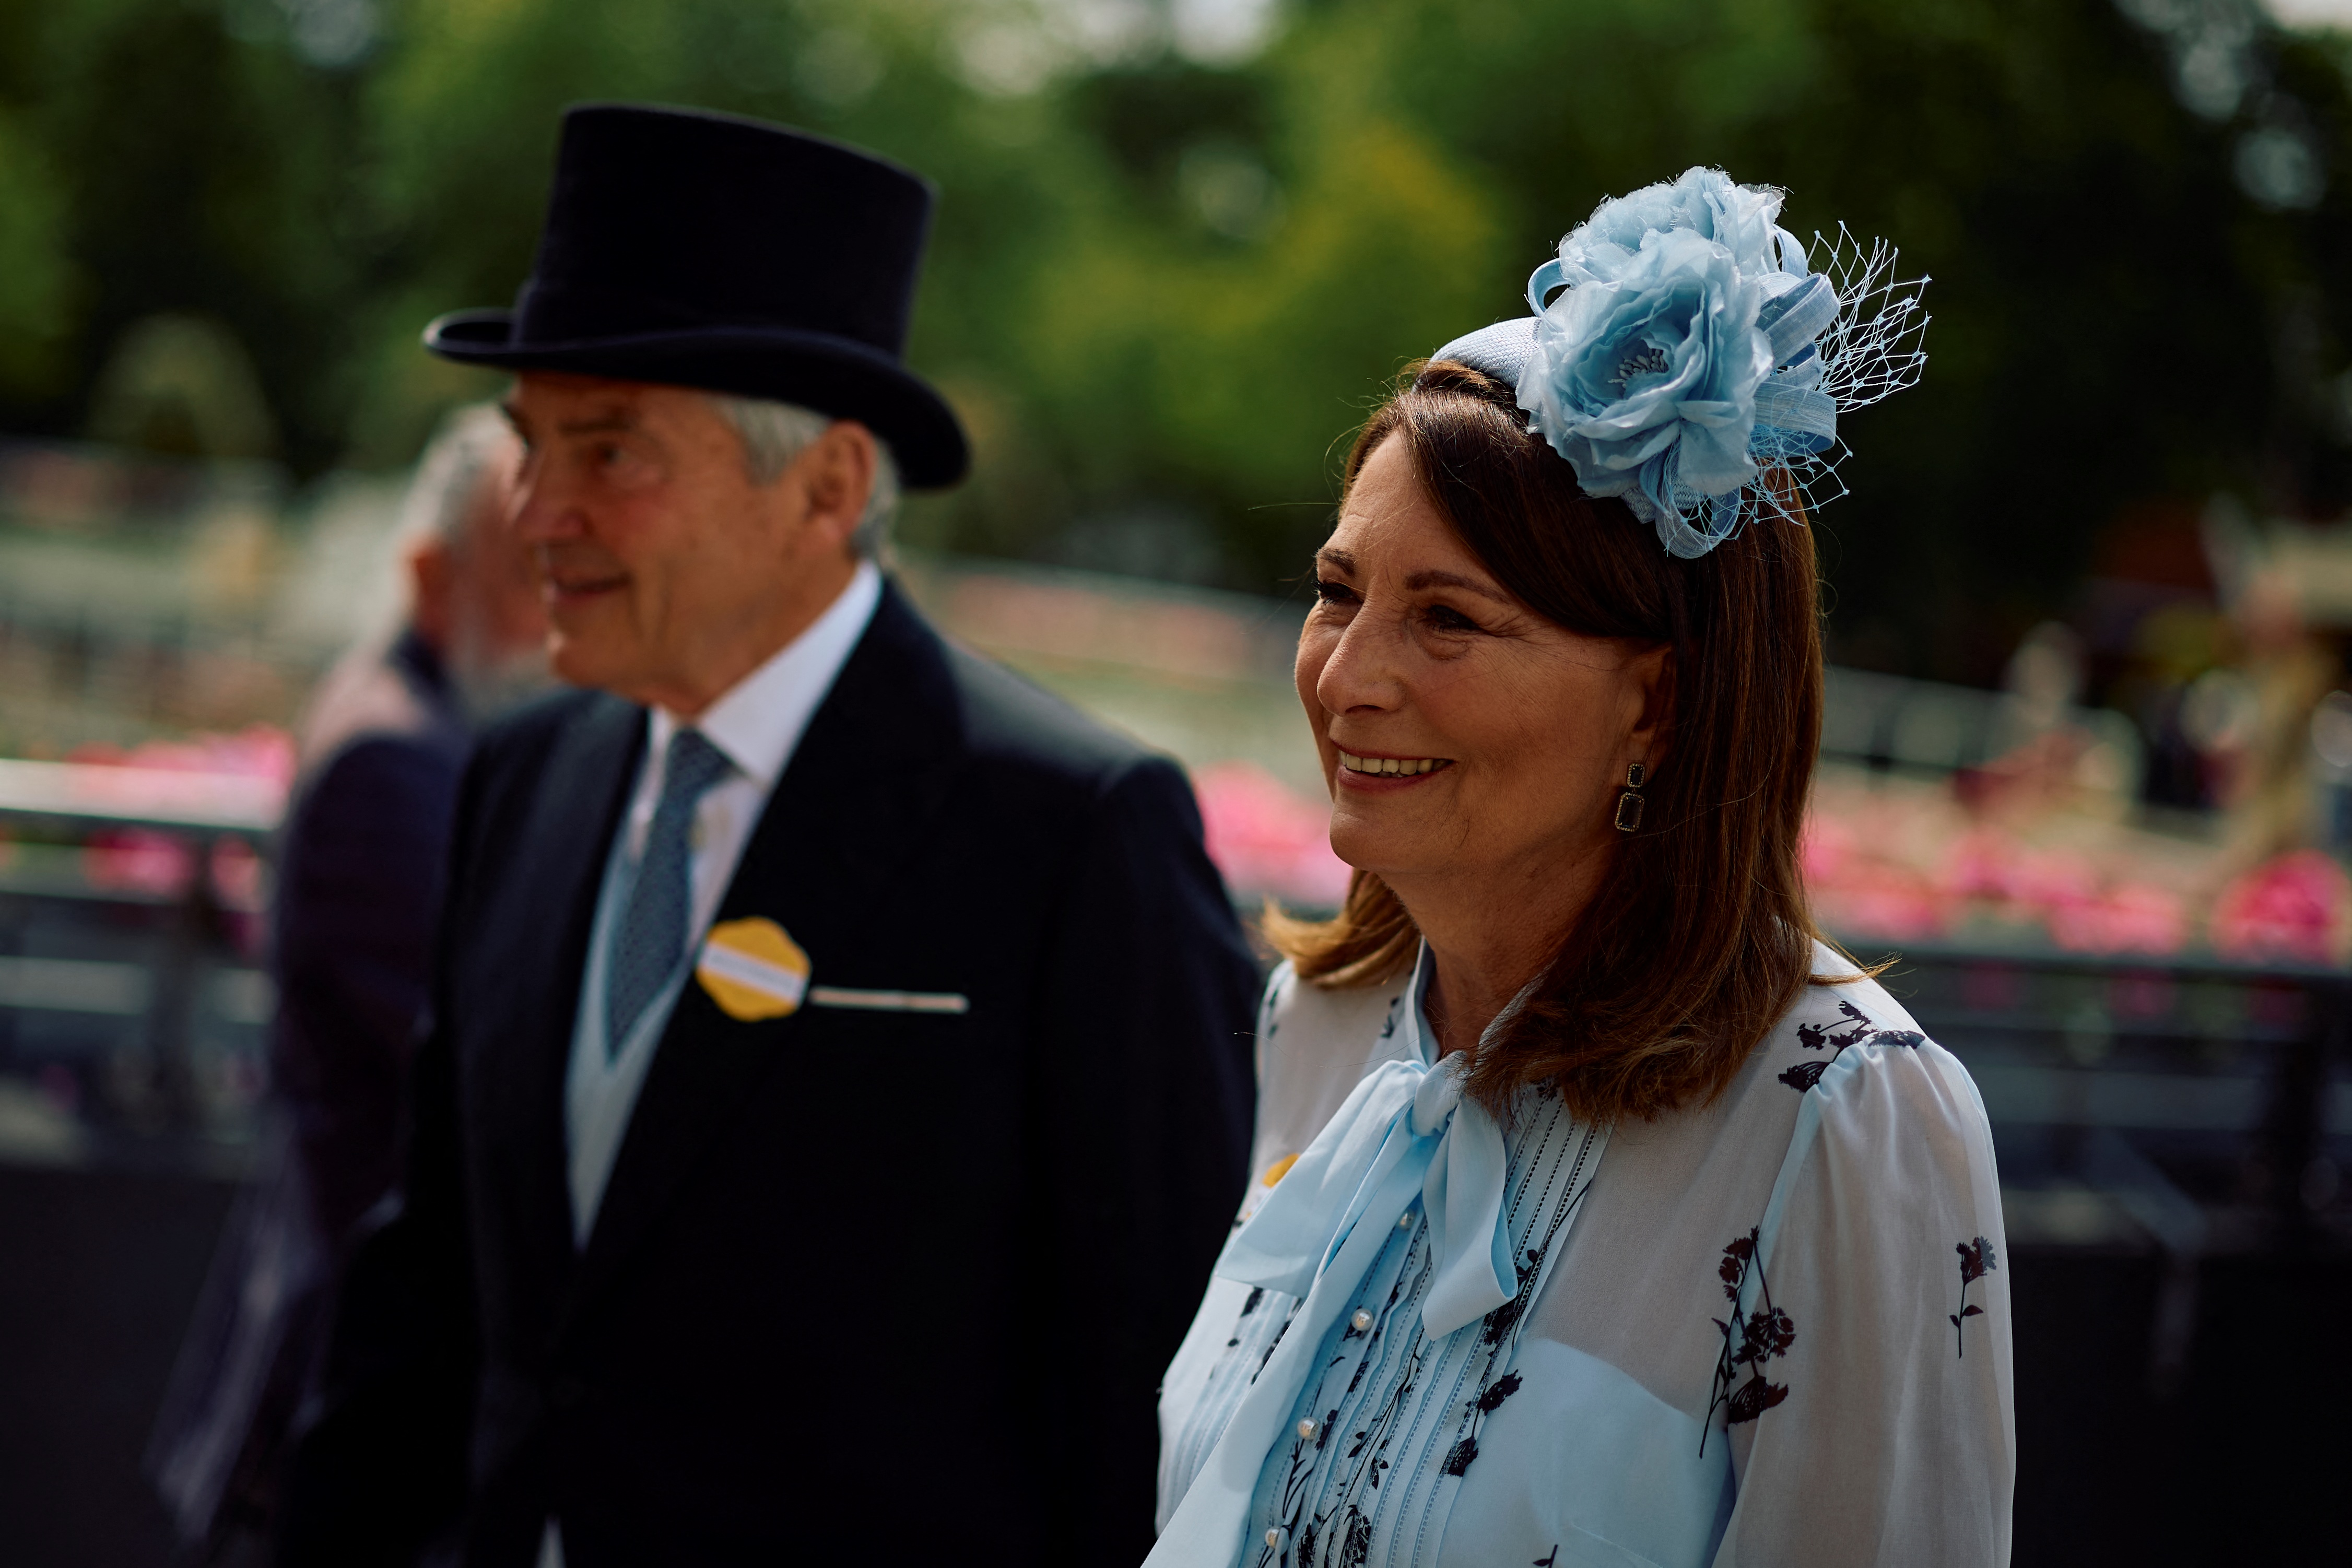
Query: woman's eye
[
  {"x": 1447, "y": 619},
  {"x": 1330, "y": 592}
]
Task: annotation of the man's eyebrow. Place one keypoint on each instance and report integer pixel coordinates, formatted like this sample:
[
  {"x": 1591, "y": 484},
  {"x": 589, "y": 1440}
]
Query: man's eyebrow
[
  {"x": 603, "y": 424},
  {"x": 1420, "y": 579}
]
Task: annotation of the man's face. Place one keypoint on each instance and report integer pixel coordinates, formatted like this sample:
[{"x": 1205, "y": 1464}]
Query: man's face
[{"x": 668, "y": 575}]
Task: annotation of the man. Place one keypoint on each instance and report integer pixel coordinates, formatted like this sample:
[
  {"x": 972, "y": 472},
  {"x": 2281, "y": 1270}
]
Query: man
[
  {"x": 358, "y": 892},
  {"x": 839, "y": 1083}
]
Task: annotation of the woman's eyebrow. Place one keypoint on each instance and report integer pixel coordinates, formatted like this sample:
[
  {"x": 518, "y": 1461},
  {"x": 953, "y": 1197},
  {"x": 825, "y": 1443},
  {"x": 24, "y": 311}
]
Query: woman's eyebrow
[
  {"x": 1337, "y": 559},
  {"x": 1420, "y": 579}
]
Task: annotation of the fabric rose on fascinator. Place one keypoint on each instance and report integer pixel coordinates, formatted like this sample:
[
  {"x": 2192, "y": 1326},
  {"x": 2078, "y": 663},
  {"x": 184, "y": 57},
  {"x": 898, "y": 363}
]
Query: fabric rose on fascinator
[{"x": 1692, "y": 363}]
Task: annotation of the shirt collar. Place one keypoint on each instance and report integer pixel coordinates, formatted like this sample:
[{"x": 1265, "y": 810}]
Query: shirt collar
[
  {"x": 759, "y": 721},
  {"x": 1419, "y": 1040}
]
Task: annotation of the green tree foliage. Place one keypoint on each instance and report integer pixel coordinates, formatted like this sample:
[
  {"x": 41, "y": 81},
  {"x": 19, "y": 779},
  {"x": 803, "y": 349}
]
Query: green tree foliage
[
  {"x": 1165, "y": 286},
  {"x": 192, "y": 172},
  {"x": 38, "y": 293}
]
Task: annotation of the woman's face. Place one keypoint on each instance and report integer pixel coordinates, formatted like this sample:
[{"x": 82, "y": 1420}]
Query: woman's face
[{"x": 1509, "y": 735}]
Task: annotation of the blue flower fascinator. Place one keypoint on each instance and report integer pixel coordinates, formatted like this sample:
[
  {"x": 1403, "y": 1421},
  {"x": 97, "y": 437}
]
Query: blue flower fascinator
[{"x": 1686, "y": 355}]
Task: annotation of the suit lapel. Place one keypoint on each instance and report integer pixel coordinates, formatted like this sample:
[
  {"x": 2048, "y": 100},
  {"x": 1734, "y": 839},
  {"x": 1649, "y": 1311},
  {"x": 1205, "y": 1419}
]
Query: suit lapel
[
  {"x": 546, "y": 911},
  {"x": 875, "y": 765}
]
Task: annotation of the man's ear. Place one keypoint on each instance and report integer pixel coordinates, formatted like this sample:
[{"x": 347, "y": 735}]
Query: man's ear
[
  {"x": 836, "y": 475},
  {"x": 432, "y": 590}
]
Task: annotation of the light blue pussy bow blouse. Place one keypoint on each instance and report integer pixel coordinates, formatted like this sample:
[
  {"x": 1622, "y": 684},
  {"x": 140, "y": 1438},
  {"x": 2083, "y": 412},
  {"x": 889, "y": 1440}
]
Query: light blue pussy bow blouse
[{"x": 1405, "y": 1133}]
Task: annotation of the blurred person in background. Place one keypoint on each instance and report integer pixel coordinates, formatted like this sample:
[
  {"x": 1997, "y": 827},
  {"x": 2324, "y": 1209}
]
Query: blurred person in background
[
  {"x": 2283, "y": 671},
  {"x": 839, "y": 1083},
  {"x": 1606, "y": 1214},
  {"x": 381, "y": 748}
]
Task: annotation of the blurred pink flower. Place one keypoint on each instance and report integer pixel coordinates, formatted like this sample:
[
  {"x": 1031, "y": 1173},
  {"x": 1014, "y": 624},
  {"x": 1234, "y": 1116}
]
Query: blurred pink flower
[
  {"x": 1873, "y": 899},
  {"x": 236, "y": 871},
  {"x": 2050, "y": 880},
  {"x": 257, "y": 751},
  {"x": 2132, "y": 917},
  {"x": 1267, "y": 837},
  {"x": 137, "y": 860},
  {"x": 141, "y": 861},
  {"x": 1987, "y": 870},
  {"x": 2291, "y": 907},
  {"x": 1982, "y": 862},
  {"x": 1826, "y": 848}
]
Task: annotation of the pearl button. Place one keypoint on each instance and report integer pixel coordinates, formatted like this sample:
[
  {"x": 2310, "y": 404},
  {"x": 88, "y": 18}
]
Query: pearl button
[
  {"x": 1362, "y": 1320},
  {"x": 1306, "y": 1427},
  {"x": 1405, "y": 1220},
  {"x": 1273, "y": 1537}
]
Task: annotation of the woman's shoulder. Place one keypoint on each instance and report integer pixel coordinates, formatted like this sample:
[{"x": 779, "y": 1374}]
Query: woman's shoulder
[
  {"x": 1845, "y": 1062},
  {"x": 1850, "y": 1045},
  {"x": 1315, "y": 1043},
  {"x": 1828, "y": 1020},
  {"x": 1846, "y": 1116}
]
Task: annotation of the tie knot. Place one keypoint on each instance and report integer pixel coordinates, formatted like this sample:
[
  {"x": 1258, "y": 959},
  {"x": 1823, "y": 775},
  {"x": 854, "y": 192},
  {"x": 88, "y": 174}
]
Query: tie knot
[{"x": 693, "y": 766}]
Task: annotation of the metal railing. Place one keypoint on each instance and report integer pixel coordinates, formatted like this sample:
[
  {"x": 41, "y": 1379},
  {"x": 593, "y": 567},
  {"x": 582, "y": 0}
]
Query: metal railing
[
  {"x": 132, "y": 1014},
  {"x": 2195, "y": 1109}
]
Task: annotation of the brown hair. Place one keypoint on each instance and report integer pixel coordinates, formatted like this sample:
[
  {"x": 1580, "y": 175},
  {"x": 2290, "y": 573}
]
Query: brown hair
[{"x": 1698, "y": 939}]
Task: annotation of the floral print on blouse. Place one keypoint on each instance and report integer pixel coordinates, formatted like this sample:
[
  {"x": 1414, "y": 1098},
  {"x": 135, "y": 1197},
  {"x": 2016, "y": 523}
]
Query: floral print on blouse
[{"x": 1770, "y": 1330}]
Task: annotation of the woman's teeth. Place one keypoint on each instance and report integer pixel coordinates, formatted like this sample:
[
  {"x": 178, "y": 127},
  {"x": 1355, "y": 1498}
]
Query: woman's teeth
[{"x": 1390, "y": 764}]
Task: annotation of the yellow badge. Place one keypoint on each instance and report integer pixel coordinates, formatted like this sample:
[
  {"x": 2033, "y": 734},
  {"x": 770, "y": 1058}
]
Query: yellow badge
[{"x": 752, "y": 969}]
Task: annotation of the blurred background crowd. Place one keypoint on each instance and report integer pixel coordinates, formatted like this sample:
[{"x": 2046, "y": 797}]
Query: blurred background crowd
[{"x": 2087, "y": 763}]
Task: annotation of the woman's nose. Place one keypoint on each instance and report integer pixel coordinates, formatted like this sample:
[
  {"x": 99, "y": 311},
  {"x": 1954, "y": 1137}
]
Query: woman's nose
[{"x": 1360, "y": 675}]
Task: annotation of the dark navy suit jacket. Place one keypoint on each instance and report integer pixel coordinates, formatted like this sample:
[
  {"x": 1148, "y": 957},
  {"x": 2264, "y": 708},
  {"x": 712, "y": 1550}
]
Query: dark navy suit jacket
[
  {"x": 863, "y": 1286},
  {"x": 359, "y": 864}
]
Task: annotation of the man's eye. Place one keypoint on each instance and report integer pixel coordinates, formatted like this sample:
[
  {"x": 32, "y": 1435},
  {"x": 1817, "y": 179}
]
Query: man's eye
[{"x": 625, "y": 464}]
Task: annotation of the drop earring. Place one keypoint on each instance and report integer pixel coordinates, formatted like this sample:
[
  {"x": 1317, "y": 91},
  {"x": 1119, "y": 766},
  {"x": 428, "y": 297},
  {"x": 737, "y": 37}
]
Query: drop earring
[{"x": 1629, "y": 804}]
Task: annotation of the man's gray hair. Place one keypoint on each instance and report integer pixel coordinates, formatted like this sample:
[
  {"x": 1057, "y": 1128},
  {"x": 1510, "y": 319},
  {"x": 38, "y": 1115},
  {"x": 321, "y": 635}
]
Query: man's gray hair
[
  {"x": 774, "y": 434},
  {"x": 470, "y": 446}
]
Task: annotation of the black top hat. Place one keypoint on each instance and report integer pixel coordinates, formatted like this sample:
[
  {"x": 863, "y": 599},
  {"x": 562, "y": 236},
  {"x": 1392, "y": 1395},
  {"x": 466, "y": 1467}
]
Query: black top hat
[{"x": 704, "y": 250}]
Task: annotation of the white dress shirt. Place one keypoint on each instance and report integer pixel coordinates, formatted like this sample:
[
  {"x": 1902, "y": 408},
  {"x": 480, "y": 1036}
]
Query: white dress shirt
[{"x": 757, "y": 725}]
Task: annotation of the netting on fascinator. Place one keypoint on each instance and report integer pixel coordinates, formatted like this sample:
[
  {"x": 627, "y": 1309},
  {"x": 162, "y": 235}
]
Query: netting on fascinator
[{"x": 1686, "y": 357}]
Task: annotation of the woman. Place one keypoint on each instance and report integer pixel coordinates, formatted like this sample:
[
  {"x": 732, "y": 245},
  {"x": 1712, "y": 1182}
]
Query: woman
[{"x": 1605, "y": 1215}]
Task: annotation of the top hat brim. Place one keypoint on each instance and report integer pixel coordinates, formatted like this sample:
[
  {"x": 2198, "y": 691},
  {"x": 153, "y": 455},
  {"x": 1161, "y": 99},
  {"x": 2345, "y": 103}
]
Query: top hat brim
[{"x": 833, "y": 375}]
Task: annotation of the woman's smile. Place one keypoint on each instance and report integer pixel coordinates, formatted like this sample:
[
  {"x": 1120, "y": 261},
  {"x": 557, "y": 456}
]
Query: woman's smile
[{"x": 1387, "y": 772}]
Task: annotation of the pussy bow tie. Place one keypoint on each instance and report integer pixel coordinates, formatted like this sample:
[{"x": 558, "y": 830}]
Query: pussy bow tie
[{"x": 1405, "y": 1131}]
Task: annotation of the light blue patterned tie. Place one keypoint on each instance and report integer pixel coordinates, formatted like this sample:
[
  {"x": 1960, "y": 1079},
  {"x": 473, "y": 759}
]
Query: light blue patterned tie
[{"x": 652, "y": 931}]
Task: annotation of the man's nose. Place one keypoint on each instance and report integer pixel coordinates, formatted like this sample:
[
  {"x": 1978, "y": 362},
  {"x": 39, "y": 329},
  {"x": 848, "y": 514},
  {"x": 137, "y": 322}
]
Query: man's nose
[{"x": 544, "y": 509}]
